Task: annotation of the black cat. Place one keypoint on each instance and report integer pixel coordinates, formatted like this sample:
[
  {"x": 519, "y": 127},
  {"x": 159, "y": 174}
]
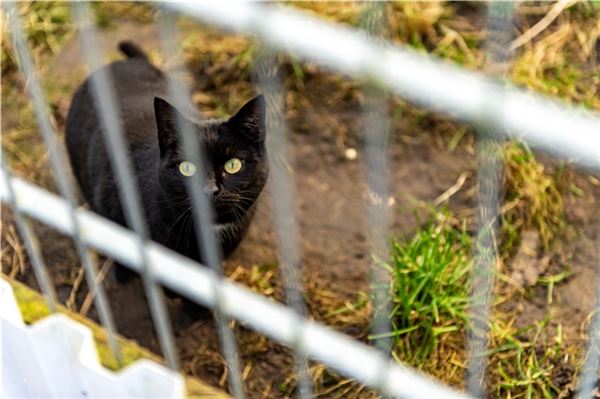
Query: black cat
[{"x": 235, "y": 157}]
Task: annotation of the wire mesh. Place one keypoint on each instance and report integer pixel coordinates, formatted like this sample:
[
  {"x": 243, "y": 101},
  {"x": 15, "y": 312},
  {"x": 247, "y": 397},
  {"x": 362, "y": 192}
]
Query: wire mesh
[
  {"x": 376, "y": 164},
  {"x": 375, "y": 145},
  {"x": 489, "y": 172},
  {"x": 498, "y": 110},
  {"x": 282, "y": 201}
]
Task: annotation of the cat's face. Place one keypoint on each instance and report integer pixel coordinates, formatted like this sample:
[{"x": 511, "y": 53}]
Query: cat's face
[{"x": 236, "y": 160}]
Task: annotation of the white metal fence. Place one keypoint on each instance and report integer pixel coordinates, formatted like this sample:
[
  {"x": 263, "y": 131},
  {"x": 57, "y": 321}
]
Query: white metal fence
[
  {"x": 567, "y": 132},
  {"x": 56, "y": 357}
]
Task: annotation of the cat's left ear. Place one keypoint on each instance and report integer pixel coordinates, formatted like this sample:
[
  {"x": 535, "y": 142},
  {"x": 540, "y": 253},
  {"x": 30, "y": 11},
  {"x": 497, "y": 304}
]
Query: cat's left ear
[
  {"x": 250, "y": 119},
  {"x": 167, "y": 122}
]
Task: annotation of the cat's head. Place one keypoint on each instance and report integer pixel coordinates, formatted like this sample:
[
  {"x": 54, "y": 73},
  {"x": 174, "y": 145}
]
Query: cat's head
[{"x": 236, "y": 159}]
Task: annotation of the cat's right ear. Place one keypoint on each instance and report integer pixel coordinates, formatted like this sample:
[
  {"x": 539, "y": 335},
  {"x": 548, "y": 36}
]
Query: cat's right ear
[
  {"x": 250, "y": 119},
  {"x": 166, "y": 123}
]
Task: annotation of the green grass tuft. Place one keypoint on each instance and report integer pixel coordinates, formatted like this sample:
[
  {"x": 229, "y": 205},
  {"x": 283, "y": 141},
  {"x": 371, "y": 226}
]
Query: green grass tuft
[
  {"x": 527, "y": 362},
  {"x": 431, "y": 280},
  {"x": 431, "y": 288}
]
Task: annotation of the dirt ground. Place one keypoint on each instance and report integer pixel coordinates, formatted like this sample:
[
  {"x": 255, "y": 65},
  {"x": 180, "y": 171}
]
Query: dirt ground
[{"x": 330, "y": 203}]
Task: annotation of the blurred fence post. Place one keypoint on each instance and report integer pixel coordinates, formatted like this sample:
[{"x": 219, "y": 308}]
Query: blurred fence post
[
  {"x": 283, "y": 203},
  {"x": 489, "y": 177}
]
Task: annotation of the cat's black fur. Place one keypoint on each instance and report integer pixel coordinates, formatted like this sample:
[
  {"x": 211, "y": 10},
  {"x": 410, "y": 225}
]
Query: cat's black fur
[{"x": 149, "y": 125}]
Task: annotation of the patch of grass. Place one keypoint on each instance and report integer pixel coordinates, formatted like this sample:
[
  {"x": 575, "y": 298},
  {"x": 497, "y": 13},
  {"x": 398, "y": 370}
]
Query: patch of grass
[
  {"x": 431, "y": 294},
  {"x": 416, "y": 23},
  {"x": 533, "y": 199},
  {"x": 559, "y": 60},
  {"x": 105, "y": 12},
  {"x": 46, "y": 25},
  {"x": 259, "y": 278},
  {"x": 335, "y": 11},
  {"x": 330, "y": 384},
  {"x": 529, "y": 362},
  {"x": 431, "y": 283},
  {"x": 21, "y": 141},
  {"x": 552, "y": 281}
]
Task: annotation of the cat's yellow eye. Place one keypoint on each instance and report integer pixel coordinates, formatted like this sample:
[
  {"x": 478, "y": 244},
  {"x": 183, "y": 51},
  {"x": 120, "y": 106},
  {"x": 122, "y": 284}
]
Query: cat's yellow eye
[
  {"x": 187, "y": 168},
  {"x": 233, "y": 166}
]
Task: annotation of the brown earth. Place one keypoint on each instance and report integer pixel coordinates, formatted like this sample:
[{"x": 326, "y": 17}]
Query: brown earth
[{"x": 330, "y": 202}]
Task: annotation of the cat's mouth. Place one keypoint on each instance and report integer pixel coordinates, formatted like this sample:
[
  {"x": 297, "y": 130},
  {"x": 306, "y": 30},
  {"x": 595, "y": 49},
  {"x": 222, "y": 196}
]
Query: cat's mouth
[
  {"x": 224, "y": 211},
  {"x": 228, "y": 213}
]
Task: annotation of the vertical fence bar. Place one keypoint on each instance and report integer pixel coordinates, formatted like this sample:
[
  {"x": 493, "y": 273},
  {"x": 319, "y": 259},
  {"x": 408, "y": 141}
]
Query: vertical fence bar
[
  {"x": 59, "y": 169},
  {"x": 590, "y": 373},
  {"x": 376, "y": 165},
  {"x": 32, "y": 244},
  {"x": 282, "y": 200},
  {"x": 375, "y": 138},
  {"x": 202, "y": 210},
  {"x": 488, "y": 156},
  {"x": 105, "y": 102}
]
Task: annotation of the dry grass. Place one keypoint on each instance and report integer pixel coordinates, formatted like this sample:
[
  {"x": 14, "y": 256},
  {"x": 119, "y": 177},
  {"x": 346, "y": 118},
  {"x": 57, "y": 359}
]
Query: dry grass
[
  {"x": 47, "y": 25},
  {"x": 561, "y": 61},
  {"x": 533, "y": 199}
]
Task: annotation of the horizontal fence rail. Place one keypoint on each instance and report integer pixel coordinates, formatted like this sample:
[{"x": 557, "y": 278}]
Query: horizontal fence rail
[
  {"x": 191, "y": 279},
  {"x": 550, "y": 125}
]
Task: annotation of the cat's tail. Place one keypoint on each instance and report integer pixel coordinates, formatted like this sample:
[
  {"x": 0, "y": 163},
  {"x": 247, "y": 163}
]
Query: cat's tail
[{"x": 131, "y": 50}]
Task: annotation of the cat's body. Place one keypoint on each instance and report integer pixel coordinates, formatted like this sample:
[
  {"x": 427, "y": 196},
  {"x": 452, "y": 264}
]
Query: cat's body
[{"x": 150, "y": 129}]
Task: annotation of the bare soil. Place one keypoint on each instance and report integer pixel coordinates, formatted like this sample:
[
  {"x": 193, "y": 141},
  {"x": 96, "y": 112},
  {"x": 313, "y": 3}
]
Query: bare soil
[{"x": 329, "y": 200}]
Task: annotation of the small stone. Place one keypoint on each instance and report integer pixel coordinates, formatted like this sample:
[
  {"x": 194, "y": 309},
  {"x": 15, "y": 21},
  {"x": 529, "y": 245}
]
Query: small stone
[{"x": 351, "y": 154}]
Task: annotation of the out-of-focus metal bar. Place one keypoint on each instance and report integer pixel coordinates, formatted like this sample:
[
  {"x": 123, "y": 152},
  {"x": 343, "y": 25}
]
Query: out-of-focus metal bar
[
  {"x": 189, "y": 278},
  {"x": 283, "y": 204},
  {"x": 59, "y": 169},
  {"x": 590, "y": 373},
  {"x": 488, "y": 153},
  {"x": 376, "y": 166},
  {"x": 375, "y": 142},
  {"x": 202, "y": 210},
  {"x": 105, "y": 102},
  {"x": 30, "y": 240},
  {"x": 549, "y": 125}
]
